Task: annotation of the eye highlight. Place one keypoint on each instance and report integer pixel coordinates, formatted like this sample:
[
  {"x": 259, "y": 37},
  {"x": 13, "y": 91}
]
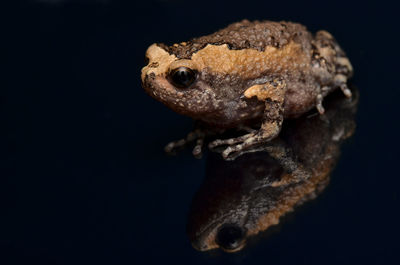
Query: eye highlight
[
  {"x": 182, "y": 77},
  {"x": 230, "y": 237}
]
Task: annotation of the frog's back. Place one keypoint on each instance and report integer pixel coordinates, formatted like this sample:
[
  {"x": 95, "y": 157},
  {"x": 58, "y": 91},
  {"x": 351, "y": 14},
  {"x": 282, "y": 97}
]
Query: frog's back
[
  {"x": 311, "y": 66},
  {"x": 246, "y": 35}
]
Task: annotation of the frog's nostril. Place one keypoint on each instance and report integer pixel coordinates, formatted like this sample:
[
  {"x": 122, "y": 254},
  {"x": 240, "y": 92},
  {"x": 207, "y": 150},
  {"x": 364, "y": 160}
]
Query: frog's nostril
[{"x": 230, "y": 237}]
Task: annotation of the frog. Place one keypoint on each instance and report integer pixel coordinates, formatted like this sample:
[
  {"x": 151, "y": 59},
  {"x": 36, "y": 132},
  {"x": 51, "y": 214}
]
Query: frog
[
  {"x": 249, "y": 76},
  {"x": 253, "y": 194}
]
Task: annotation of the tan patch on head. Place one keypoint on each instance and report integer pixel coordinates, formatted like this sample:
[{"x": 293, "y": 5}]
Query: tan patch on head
[
  {"x": 249, "y": 63},
  {"x": 159, "y": 61},
  {"x": 183, "y": 63}
]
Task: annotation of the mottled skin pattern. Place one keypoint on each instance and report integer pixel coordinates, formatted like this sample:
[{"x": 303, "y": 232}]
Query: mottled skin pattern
[
  {"x": 250, "y": 73},
  {"x": 254, "y": 191}
]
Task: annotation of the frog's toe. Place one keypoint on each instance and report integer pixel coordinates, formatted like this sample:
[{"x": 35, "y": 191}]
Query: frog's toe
[
  {"x": 198, "y": 148},
  {"x": 319, "y": 106},
  {"x": 221, "y": 142},
  {"x": 341, "y": 81},
  {"x": 231, "y": 152},
  {"x": 346, "y": 91},
  {"x": 231, "y": 141},
  {"x": 174, "y": 146}
]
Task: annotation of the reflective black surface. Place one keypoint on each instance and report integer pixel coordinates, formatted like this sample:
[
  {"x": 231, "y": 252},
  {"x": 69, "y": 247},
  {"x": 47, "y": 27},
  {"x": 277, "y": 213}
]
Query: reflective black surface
[
  {"x": 84, "y": 179},
  {"x": 243, "y": 198}
]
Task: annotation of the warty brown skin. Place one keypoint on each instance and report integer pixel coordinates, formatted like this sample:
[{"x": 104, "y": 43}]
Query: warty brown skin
[
  {"x": 253, "y": 192},
  {"x": 249, "y": 73}
]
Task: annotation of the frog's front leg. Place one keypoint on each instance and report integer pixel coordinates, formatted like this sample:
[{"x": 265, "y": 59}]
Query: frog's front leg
[
  {"x": 269, "y": 129},
  {"x": 273, "y": 94}
]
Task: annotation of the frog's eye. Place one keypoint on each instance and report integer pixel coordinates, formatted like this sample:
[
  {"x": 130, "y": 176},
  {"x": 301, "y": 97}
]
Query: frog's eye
[
  {"x": 182, "y": 77},
  {"x": 230, "y": 237}
]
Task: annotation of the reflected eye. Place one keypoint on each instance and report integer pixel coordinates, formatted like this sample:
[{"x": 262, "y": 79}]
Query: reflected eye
[
  {"x": 230, "y": 237},
  {"x": 182, "y": 77}
]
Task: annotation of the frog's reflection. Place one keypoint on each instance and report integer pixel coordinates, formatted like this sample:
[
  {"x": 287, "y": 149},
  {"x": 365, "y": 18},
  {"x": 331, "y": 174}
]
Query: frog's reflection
[{"x": 243, "y": 197}]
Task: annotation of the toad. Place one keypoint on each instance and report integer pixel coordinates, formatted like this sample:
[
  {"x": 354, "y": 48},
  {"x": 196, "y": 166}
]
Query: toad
[{"x": 250, "y": 75}]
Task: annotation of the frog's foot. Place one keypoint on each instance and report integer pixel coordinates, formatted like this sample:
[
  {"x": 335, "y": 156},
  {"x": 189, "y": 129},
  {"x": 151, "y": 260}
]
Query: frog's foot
[
  {"x": 249, "y": 142},
  {"x": 196, "y": 136},
  {"x": 214, "y": 145},
  {"x": 231, "y": 141},
  {"x": 238, "y": 146}
]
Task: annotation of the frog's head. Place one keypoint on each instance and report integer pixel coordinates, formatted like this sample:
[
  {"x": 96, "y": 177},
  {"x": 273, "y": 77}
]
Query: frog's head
[
  {"x": 200, "y": 85},
  {"x": 178, "y": 83}
]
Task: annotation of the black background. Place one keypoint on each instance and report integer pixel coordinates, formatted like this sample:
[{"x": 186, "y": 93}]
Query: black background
[{"x": 84, "y": 179}]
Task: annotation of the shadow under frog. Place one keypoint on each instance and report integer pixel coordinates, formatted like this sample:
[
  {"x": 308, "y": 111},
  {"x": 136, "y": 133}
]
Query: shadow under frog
[{"x": 240, "y": 198}]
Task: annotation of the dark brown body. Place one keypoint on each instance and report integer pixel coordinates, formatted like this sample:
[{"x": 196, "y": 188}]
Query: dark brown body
[{"x": 249, "y": 73}]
